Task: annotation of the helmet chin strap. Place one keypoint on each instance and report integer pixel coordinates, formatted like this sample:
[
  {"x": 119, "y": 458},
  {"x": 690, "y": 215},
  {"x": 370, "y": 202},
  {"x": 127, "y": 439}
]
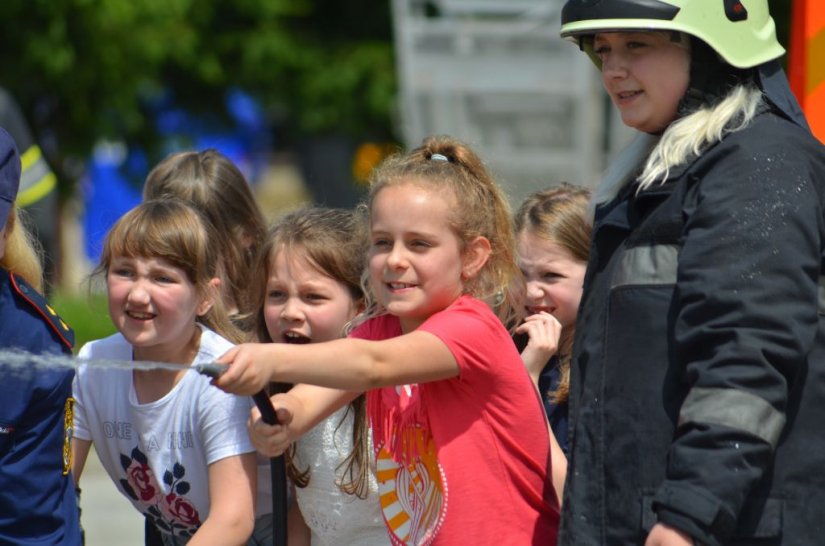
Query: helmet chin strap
[{"x": 711, "y": 78}]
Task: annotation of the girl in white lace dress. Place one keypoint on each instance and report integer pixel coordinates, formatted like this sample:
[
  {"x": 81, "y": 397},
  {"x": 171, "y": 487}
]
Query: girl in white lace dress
[{"x": 310, "y": 268}]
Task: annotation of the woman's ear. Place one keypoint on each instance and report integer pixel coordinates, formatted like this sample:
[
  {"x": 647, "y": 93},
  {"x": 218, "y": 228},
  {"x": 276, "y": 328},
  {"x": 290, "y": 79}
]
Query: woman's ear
[
  {"x": 475, "y": 256},
  {"x": 213, "y": 292}
]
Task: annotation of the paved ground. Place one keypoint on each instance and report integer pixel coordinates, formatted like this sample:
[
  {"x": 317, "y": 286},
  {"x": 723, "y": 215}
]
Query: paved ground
[{"x": 108, "y": 518}]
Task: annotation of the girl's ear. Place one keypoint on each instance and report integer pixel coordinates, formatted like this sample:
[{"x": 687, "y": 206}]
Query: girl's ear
[
  {"x": 213, "y": 291},
  {"x": 475, "y": 256}
]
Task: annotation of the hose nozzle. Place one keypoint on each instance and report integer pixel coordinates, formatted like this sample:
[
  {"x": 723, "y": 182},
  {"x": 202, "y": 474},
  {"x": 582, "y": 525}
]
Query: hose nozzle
[{"x": 211, "y": 369}]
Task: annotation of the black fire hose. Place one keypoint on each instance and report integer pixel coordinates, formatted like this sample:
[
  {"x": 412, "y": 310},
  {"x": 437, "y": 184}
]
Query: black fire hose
[{"x": 277, "y": 464}]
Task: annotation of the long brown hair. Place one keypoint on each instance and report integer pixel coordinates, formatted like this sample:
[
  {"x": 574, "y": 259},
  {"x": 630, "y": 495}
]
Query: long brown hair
[
  {"x": 334, "y": 242},
  {"x": 559, "y": 215}
]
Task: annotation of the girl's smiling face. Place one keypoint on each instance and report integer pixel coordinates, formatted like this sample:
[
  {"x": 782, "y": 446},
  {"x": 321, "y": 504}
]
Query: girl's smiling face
[
  {"x": 415, "y": 257},
  {"x": 303, "y": 304},
  {"x": 646, "y": 75},
  {"x": 154, "y": 306}
]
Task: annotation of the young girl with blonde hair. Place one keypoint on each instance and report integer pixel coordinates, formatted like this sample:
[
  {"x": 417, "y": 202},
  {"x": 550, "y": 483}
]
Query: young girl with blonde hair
[{"x": 456, "y": 420}]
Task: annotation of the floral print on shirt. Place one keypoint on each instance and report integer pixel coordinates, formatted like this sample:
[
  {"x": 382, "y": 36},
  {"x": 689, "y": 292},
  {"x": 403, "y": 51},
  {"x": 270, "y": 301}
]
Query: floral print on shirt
[{"x": 170, "y": 512}]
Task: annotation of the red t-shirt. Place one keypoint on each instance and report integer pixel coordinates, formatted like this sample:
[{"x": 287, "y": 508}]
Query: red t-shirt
[{"x": 464, "y": 460}]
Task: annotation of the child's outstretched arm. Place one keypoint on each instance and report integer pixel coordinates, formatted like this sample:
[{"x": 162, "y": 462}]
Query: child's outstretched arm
[
  {"x": 543, "y": 331},
  {"x": 346, "y": 364},
  {"x": 232, "y": 489},
  {"x": 299, "y": 410}
]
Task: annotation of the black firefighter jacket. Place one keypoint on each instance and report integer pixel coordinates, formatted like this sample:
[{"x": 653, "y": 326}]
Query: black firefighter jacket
[{"x": 698, "y": 378}]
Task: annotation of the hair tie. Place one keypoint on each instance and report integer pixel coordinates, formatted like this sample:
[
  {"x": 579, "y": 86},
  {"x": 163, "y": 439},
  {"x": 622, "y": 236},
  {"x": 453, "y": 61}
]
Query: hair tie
[{"x": 439, "y": 157}]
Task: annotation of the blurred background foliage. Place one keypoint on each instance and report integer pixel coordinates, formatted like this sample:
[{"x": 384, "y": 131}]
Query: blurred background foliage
[{"x": 85, "y": 70}]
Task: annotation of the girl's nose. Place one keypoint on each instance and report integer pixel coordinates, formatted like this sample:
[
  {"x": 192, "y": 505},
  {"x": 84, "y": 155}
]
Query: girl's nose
[
  {"x": 533, "y": 291},
  {"x": 139, "y": 293},
  {"x": 291, "y": 310},
  {"x": 397, "y": 256}
]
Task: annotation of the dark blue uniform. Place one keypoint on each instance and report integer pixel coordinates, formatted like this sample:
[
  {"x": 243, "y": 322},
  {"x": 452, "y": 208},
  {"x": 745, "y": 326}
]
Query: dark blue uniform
[{"x": 37, "y": 494}]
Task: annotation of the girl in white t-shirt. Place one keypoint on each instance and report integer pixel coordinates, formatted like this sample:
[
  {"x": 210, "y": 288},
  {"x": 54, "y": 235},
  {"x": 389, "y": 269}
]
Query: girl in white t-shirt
[
  {"x": 309, "y": 280},
  {"x": 176, "y": 447}
]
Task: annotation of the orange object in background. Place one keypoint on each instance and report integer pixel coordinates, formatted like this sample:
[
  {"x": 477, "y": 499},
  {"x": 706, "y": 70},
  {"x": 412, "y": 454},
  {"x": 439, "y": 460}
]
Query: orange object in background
[{"x": 806, "y": 64}]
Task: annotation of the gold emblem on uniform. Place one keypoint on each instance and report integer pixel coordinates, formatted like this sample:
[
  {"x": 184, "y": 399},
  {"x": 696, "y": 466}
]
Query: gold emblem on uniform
[{"x": 68, "y": 427}]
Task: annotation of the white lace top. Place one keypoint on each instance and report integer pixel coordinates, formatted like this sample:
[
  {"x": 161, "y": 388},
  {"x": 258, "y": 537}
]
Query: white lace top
[{"x": 335, "y": 517}]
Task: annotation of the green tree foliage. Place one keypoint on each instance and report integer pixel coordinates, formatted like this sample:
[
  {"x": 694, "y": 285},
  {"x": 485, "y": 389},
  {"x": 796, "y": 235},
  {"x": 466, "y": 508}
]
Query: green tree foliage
[{"x": 85, "y": 69}]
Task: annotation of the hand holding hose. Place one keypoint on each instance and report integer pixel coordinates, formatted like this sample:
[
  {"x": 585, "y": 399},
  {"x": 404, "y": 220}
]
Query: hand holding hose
[
  {"x": 248, "y": 370},
  {"x": 217, "y": 371},
  {"x": 272, "y": 440}
]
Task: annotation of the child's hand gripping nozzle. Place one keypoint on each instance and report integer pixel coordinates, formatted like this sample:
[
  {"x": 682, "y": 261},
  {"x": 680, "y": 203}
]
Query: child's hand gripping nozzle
[
  {"x": 277, "y": 465},
  {"x": 215, "y": 370}
]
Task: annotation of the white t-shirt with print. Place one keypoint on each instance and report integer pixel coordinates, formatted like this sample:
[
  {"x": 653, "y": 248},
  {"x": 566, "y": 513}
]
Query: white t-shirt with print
[{"x": 158, "y": 453}]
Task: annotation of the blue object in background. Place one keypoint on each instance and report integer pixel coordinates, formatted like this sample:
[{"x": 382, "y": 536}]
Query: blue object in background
[
  {"x": 115, "y": 172},
  {"x": 108, "y": 194}
]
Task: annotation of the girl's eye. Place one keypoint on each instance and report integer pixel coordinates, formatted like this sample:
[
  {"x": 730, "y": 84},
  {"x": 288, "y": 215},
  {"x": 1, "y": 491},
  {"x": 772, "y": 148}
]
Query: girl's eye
[
  {"x": 122, "y": 272},
  {"x": 550, "y": 275},
  {"x": 316, "y": 297},
  {"x": 275, "y": 294},
  {"x": 420, "y": 243}
]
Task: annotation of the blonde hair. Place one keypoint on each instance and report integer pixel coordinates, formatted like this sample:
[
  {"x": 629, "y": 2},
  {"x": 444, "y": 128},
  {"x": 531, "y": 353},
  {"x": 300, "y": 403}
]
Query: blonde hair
[
  {"x": 559, "y": 215},
  {"x": 479, "y": 207},
  {"x": 216, "y": 187},
  {"x": 23, "y": 255},
  {"x": 649, "y": 158},
  {"x": 691, "y": 135},
  {"x": 171, "y": 230},
  {"x": 334, "y": 242}
]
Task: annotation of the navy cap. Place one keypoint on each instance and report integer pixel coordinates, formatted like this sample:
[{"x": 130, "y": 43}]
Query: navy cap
[{"x": 9, "y": 174}]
